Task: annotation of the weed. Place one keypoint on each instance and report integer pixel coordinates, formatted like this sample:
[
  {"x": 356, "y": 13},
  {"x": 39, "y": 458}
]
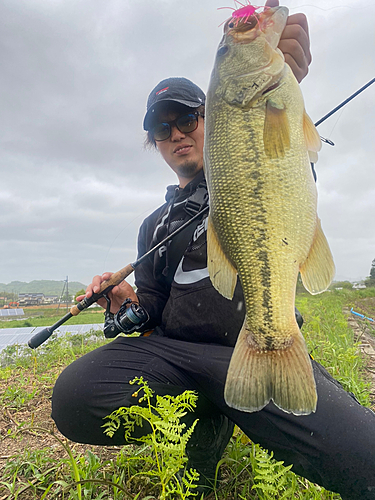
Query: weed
[
  {"x": 15, "y": 396},
  {"x": 54, "y": 353},
  {"x": 30, "y": 464},
  {"x": 167, "y": 439}
]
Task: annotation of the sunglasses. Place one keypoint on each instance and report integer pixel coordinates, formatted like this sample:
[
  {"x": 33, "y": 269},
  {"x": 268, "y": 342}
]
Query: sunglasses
[{"x": 185, "y": 124}]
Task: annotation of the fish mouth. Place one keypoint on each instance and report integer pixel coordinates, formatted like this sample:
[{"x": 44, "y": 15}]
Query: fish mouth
[
  {"x": 269, "y": 22},
  {"x": 242, "y": 26}
]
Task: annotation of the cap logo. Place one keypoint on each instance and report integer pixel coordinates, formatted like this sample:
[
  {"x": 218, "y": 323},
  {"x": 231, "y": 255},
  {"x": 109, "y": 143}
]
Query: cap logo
[{"x": 162, "y": 90}]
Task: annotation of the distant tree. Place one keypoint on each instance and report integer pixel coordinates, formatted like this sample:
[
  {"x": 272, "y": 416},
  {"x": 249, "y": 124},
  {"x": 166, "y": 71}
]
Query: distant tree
[
  {"x": 370, "y": 281},
  {"x": 6, "y": 297},
  {"x": 341, "y": 284},
  {"x": 80, "y": 292},
  {"x": 372, "y": 271}
]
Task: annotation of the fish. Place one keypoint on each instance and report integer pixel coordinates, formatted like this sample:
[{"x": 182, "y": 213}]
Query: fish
[{"x": 263, "y": 226}]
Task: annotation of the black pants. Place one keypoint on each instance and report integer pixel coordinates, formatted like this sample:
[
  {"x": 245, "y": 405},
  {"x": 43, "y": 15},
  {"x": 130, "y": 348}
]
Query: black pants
[{"x": 334, "y": 447}]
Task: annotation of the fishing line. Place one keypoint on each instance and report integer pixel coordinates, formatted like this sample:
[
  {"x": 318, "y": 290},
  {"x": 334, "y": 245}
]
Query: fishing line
[
  {"x": 321, "y": 8},
  {"x": 333, "y": 128},
  {"x": 246, "y": 3}
]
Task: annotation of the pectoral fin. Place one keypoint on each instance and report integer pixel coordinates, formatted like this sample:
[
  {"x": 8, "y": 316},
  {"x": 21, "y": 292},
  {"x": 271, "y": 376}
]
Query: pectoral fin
[
  {"x": 222, "y": 273},
  {"x": 276, "y": 135},
  {"x": 318, "y": 270}
]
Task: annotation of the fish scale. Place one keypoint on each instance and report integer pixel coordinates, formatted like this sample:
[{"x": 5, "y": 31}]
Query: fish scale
[
  {"x": 263, "y": 224},
  {"x": 251, "y": 202}
]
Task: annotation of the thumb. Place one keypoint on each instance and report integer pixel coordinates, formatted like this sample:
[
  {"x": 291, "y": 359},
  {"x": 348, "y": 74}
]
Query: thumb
[{"x": 272, "y": 3}]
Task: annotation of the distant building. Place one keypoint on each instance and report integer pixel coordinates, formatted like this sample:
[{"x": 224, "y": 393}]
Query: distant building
[
  {"x": 51, "y": 299},
  {"x": 30, "y": 299},
  {"x": 37, "y": 299},
  {"x": 357, "y": 286}
]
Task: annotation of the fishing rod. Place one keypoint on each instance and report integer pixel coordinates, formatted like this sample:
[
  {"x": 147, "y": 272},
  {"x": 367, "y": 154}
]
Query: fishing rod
[
  {"x": 107, "y": 285},
  {"x": 344, "y": 102},
  {"x": 341, "y": 105}
]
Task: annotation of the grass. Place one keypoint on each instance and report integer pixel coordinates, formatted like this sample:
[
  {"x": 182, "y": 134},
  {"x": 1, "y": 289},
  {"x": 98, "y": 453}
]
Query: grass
[
  {"x": 331, "y": 342},
  {"x": 47, "y": 317},
  {"x": 36, "y": 462}
]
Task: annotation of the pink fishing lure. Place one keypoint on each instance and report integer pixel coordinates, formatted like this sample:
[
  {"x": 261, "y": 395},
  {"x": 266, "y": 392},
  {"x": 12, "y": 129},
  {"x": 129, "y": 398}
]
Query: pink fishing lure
[{"x": 244, "y": 12}]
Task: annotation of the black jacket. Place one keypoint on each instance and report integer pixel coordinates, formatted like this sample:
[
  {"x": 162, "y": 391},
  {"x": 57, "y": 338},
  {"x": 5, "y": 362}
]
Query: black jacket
[{"x": 183, "y": 303}]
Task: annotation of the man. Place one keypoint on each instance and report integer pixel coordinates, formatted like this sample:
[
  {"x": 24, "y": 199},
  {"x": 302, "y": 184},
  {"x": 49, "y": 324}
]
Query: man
[{"x": 194, "y": 328}]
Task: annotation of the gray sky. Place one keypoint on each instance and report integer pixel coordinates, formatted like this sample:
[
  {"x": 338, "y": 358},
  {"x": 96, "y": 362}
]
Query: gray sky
[{"x": 76, "y": 182}]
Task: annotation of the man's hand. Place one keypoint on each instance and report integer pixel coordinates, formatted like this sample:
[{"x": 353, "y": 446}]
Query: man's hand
[
  {"x": 117, "y": 295},
  {"x": 295, "y": 43}
]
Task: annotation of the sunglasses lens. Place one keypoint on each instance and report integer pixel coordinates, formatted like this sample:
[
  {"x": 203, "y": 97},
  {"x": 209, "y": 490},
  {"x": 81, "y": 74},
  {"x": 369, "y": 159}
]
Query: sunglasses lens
[
  {"x": 187, "y": 123},
  {"x": 161, "y": 131}
]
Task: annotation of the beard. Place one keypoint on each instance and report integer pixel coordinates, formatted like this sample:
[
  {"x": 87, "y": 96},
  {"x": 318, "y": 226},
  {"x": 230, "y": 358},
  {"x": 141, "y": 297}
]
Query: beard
[{"x": 188, "y": 169}]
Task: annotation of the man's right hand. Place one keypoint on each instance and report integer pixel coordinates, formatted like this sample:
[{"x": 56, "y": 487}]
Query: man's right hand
[
  {"x": 295, "y": 43},
  {"x": 117, "y": 295}
]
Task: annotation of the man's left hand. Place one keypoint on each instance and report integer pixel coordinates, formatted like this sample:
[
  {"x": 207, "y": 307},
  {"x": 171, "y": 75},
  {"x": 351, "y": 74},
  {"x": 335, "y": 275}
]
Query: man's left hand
[{"x": 295, "y": 43}]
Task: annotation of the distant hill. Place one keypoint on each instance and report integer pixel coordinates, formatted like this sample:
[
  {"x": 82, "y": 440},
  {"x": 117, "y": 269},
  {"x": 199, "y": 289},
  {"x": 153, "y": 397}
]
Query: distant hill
[{"x": 48, "y": 287}]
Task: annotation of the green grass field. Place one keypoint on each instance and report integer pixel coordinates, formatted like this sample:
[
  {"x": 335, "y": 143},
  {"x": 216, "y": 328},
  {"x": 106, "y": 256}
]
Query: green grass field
[
  {"x": 49, "y": 316},
  {"x": 36, "y": 462}
]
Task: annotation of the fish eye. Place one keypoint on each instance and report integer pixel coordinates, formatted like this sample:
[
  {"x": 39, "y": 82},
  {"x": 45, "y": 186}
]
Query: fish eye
[{"x": 223, "y": 50}]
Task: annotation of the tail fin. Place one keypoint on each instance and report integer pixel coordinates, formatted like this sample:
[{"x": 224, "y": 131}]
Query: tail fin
[{"x": 285, "y": 376}]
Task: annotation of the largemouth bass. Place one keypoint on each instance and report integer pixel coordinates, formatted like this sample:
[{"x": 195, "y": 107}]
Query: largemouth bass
[{"x": 263, "y": 224}]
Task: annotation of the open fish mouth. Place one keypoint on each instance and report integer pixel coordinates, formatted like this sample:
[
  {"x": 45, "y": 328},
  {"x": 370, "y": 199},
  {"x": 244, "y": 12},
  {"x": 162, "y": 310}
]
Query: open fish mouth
[
  {"x": 246, "y": 28},
  {"x": 241, "y": 24},
  {"x": 243, "y": 32},
  {"x": 246, "y": 23}
]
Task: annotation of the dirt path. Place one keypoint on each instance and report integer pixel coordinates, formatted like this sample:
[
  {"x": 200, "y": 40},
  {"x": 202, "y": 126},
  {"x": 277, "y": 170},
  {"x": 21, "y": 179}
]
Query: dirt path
[{"x": 365, "y": 335}]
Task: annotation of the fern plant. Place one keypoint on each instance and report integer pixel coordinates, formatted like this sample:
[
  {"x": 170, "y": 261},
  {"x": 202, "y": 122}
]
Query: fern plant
[
  {"x": 271, "y": 478},
  {"x": 167, "y": 439}
]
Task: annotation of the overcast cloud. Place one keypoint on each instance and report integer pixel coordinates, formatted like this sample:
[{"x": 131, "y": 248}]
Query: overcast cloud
[{"x": 76, "y": 182}]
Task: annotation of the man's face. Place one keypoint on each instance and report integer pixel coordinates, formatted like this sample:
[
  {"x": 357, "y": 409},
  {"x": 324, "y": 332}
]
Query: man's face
[{"x": 183, "y": 152}]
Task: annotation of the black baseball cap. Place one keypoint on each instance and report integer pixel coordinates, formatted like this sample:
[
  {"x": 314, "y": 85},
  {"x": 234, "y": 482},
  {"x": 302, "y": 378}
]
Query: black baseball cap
[{"x": 179, "y": 90}]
